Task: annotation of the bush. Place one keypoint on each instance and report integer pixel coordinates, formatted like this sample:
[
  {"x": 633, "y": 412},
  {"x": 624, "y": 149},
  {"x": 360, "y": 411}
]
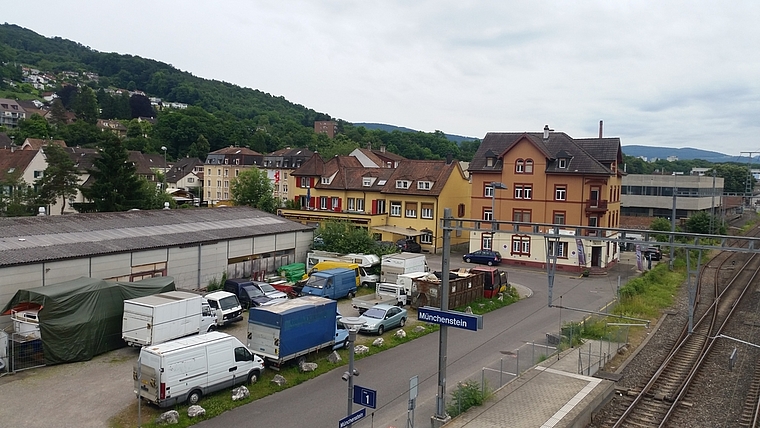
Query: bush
[{"x": 466, "y": 395}]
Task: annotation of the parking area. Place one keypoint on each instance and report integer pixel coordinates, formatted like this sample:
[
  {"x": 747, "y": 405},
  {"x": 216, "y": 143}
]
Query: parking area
[{"x": 88, "y": 394}]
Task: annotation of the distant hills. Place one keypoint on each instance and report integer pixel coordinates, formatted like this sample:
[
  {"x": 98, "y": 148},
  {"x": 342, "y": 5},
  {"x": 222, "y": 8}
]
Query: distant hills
[
  {"x": 686, "y": 153},
  {"x": 390, "y": 128}
]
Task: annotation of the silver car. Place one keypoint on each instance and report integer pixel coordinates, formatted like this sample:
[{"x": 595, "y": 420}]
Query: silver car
[{"x": 380, "y": 318}]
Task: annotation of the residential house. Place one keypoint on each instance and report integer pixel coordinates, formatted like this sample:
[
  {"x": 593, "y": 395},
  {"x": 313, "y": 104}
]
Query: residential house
[
  {"x": 10, "y": 113},
  {"x": 377, "y": 158},
  {"x": 186, "y": 174},
  {"x": 279, "y": 165},
  {"x": 24, "y": 165},
  {"x": 548, "y": 178},
  {"x": 39, "y": 143},
  {"x": 392, "y": 203},
  {"x": 5, "y": 141},
  {"x": 112, "y": 125},
  {"x": 224, "y": 165}
]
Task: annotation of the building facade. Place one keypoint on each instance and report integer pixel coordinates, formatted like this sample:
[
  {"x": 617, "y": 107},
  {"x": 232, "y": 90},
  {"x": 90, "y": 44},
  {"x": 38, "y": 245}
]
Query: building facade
[
  {"x": 651, "y": 195},
  {"x": 550, "y": 179},
  {"x": 279, "y": 165},
  {"x": 222, "y": 166}
]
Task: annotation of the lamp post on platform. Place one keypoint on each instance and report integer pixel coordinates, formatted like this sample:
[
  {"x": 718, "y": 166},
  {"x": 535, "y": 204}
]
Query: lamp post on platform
[
  {"x": 163, "y": 185},
  {"x": 352, "y": 324}
]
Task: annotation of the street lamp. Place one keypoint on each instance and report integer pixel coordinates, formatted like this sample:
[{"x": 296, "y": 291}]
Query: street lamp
[
  {"x": 352, "y": 324},
  {"x": 495, "y": 185},
  {"x": 163, "y": 186}
]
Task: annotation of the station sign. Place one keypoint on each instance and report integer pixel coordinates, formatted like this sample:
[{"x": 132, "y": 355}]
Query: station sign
[{"x": 450, "y": 318}]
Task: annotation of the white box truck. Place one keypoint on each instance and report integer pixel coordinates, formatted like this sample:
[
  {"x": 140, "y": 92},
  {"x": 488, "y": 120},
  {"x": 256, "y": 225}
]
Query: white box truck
[
  {"x": 394, "y": 265},
  {"x": 186, "y": 369},
  {"x": 159, "y": 318}
]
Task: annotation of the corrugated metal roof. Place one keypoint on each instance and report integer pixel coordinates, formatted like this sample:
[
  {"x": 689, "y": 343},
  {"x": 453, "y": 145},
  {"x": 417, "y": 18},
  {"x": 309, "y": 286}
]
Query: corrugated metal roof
[{"x": 36, "y": 239}]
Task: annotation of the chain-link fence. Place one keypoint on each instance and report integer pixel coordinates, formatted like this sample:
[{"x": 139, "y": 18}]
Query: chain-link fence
[{"x": 22, "y": 352}]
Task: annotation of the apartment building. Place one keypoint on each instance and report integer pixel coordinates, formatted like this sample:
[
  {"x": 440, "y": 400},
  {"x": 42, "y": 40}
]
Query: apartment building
[{"x": 224, "y": 165}]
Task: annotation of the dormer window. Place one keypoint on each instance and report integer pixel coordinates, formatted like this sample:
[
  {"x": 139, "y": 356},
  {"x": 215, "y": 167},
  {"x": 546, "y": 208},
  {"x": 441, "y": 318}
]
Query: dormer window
[
  {"x": 489, "y": 161},
  {"x": 424, "y": 185},
  {"x": 367, "y": 181},
  {"x": 402, "y": 184},
  {"x": 490, "y": 158},
  {"x": 562, "y": 163},
  {"x": 325, "y": 180},
  {"x": 226, "y": 161}
]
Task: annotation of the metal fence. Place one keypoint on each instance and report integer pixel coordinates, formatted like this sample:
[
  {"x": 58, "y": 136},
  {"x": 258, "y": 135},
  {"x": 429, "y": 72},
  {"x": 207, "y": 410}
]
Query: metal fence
[{"x": 22, "y": 352}]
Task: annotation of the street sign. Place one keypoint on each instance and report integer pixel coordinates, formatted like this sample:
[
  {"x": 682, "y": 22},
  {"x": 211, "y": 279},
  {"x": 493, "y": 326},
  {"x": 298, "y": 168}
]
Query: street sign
[
  {"x": 350, "y": 419},
  {"x": 365, "y": 396},
  {"x": 450, "y": 318}
]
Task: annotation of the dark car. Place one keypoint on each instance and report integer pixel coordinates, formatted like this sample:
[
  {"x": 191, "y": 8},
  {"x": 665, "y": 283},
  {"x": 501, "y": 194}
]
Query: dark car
[
  {"x": 251, "y": 296},
  {"x": 409, "y": 246},
  {"x": 653, "y": 252},
  {"x": 485, "y": 257}
]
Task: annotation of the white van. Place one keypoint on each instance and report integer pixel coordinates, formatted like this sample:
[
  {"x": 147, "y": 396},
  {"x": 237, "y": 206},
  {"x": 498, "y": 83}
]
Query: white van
[
  {"x": 226, "y": 306},
  {"x": 184, "y": 370}
]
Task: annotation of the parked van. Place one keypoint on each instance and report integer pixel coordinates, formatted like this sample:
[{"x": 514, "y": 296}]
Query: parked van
[
  {"x": 184, "y": 370},
  {"x": 226, "y": 305},
  {"x": 331, "y": 283},
  {"x": 495, "y": 281},
  {"x": 332, "y": 265}
]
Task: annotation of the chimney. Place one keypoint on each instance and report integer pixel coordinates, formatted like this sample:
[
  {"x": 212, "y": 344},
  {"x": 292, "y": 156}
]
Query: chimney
[
  {"x": 546, "y": 132},
  {"x": 382, "y": 148},
  {"x": 601, "y": 126},
  {"x": 369, "y": 145},
  {"x": 449, "y": 159}
]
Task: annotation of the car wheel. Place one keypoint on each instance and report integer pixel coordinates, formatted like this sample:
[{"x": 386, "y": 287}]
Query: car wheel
[
  {"x": 211, "y": 328},
  {"x": 345, "y": 343},
  {"x": 351, "y": 294},
  {"x": 253, "y": 377},
  {"x": 402, "y": 323},
  {"x": 468, "y": 260},
  {"x": 380, "y": 330},
  {"x": 194, "y": 397},
  {"x": 490, "y": 263}
]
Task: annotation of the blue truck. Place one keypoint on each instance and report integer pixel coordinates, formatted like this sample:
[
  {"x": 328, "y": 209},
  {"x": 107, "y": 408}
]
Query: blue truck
[
  {"x": 294, "y": 328},
  {"x": 331, "y": 283}
]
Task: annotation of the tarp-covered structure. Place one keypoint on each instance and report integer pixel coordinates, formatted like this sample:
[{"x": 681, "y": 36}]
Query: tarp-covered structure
[{"x": 82, "y": 318}]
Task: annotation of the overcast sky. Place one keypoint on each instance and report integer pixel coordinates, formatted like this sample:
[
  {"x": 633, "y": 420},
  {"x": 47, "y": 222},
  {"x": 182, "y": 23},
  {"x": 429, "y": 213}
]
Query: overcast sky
[{"x": 658, "y": 73}]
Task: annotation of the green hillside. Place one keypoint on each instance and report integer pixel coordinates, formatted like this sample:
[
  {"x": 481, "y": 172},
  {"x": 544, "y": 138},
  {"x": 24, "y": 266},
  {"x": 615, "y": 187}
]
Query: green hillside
[{"x": 221, "y": 113}]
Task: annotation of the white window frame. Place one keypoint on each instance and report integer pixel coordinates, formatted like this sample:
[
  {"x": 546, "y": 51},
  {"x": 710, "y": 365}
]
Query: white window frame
[
  {"x": 424, "y": 185},
  {"x": 402, "y": 184},
  {"x": 359, "y": 204},
  {"x": 305, "y": 182},
  {"x": 395, "y": 209},
  {"x": 528, "y": 192},
  {"x": 323, "y": 202},
  {"x": 334, "y": 202},
  {"x": 325, "y": 180},
  {"x": 486, "y": 240},
  {"x": 560, "y": 193},
  {"x": 488, "y": 191},
  {"x": 426, "y": 212},
  {"x": 367, "y": 181},
  {"x": 518, "y": 192},
  {"x": 487, "y": 214},
  {"x": 350, "y": 204},
  {"x": 426, "y": 238},
  {"x": 562, "y": 163},
  {"x": 410, "y": 213}
]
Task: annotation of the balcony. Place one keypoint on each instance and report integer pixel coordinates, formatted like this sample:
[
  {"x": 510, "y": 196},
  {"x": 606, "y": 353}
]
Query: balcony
[{"x": 596, "y": 206}]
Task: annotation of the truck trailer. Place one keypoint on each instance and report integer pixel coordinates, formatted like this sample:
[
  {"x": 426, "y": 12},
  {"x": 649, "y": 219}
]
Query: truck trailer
[
  {"x": 294, "y": 328},
  {"x": 159, "y": 318},
  {"x": 394, "y": 265}
]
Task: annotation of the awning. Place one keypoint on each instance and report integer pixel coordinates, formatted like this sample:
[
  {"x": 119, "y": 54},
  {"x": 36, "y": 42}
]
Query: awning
[{"x": 398, "y": 230}]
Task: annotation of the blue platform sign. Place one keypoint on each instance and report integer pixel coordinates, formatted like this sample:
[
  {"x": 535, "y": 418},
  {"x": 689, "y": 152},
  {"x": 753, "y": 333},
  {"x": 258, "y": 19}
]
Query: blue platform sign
[
  {"x": 450, "y": 318},
  {"x": 353, "y": 417},
  {"x": 365, "y": 396}
]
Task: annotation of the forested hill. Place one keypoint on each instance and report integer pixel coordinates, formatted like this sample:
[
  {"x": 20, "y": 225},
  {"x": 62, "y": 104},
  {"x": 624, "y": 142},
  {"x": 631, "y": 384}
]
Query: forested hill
[
  {"x": 156, "y": 78},
  {"x": 221, "y": 113}
]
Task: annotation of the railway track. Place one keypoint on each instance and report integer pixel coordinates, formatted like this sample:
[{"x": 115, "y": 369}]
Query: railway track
[{"x": 666, "y": 398}]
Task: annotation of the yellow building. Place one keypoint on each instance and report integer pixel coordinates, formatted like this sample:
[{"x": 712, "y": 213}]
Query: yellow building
[
  {"x": 548, "y": 178},
  {"x": 406, "y": 200},
  {"x": 222, "y": 166}
]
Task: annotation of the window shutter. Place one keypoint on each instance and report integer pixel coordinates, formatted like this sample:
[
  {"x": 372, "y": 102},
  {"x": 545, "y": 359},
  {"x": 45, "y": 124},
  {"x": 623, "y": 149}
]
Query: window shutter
[{"x": 374, "y": 206}]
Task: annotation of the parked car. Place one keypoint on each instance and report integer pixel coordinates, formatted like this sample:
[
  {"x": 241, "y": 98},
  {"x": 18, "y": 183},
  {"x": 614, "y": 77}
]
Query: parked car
[
  {"x": 486, "y": 257},
  {"x": 653, "y": 252},
  {"x": 380, "y": 318},
  {"x": 409, "y": 246},
  {"x": 252, "y": 296},
  {"x": 269, "y": 290}
]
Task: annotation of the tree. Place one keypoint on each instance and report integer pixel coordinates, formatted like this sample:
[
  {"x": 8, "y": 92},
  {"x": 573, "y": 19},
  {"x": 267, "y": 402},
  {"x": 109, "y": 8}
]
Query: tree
[
  {"x": 58, "y": 113},
  {"x": 86, "y": 105},
  {"x": 34, "y": 127},
  {"x": 662, "y": 224},
  {"x": 17, "y": 198},
  {"x": 116, "y": 187},
  {"x": 199, "y": 149},
  {"x": 141, "y": 107},
  {"x": 344, "y": 237},
  {"x": 252, "y": 187},
  {"x": 734, "y": 177},
  {"x": 60, "y": 179}
]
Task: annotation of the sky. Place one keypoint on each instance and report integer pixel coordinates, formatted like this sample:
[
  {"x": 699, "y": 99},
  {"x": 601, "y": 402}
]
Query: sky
[{"x": 657, "y": 73}]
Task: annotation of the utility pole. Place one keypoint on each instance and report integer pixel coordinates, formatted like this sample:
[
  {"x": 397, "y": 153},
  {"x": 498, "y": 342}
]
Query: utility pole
[
  {"x": 712, "y": 204},
  {"x": 748, "y": 190}
]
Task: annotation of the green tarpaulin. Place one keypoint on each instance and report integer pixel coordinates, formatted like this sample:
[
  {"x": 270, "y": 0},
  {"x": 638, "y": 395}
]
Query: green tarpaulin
[{"x": 82, "y": 318}]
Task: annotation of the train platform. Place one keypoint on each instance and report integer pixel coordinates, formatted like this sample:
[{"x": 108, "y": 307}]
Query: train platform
[{"x": 551, "y": 394}]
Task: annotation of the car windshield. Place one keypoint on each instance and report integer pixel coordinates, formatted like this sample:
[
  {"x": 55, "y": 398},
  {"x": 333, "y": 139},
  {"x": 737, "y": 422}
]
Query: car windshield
[
  {"x": 253, "y": 292},
  {"x": 267, "y": 288},
  {"x": 228, "y": 302},
  {"x": 316, "y": 282},
  {"x": 375, "y": 313}
]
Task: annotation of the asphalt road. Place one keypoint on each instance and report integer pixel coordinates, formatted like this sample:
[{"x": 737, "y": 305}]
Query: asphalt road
[{"x": 506, "y": 334}]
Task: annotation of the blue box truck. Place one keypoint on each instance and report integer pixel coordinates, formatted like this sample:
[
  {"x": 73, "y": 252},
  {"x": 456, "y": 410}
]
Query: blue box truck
[{"x": 294, "y": 328}]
